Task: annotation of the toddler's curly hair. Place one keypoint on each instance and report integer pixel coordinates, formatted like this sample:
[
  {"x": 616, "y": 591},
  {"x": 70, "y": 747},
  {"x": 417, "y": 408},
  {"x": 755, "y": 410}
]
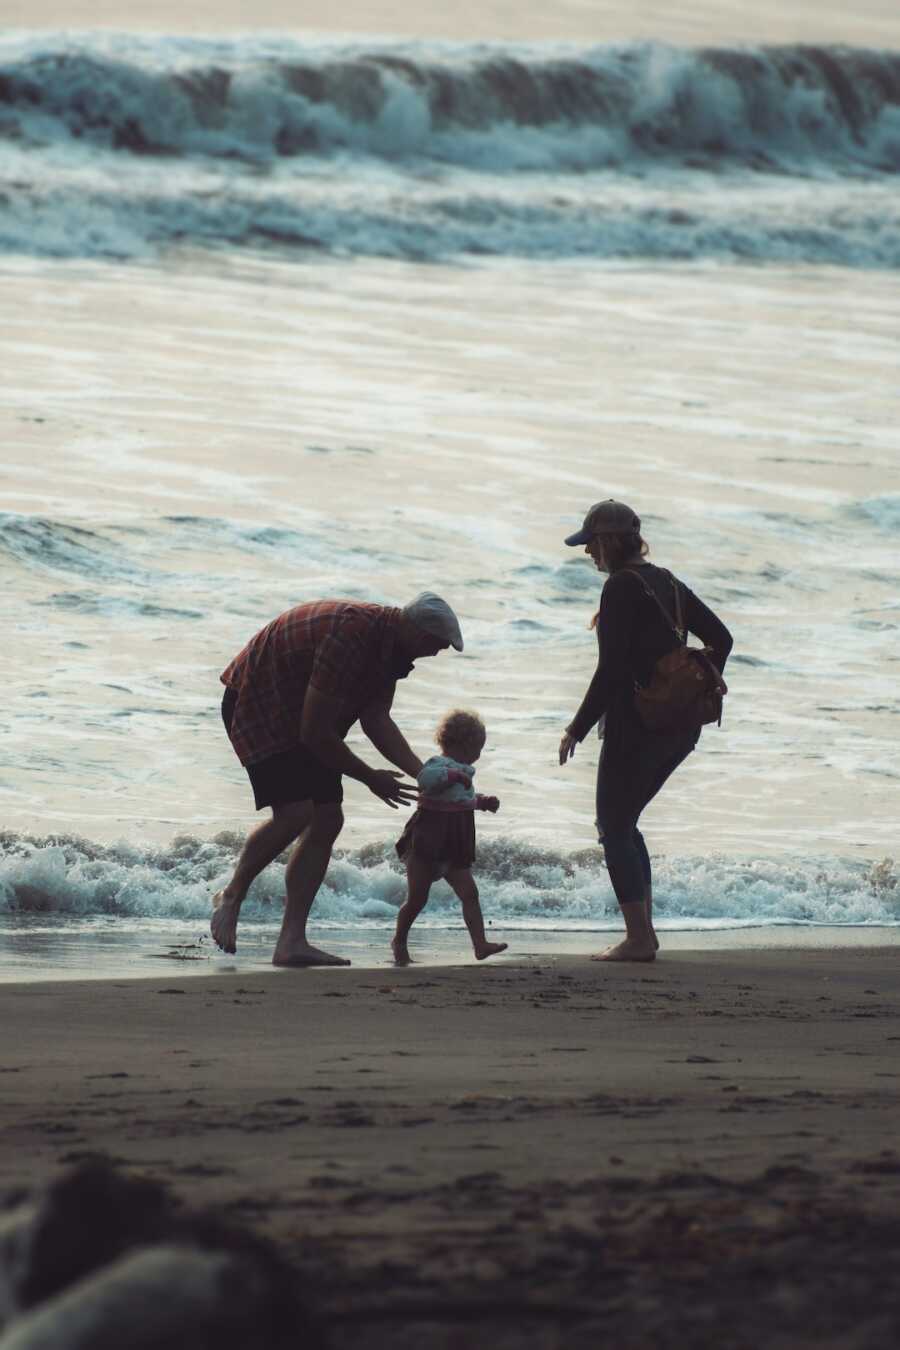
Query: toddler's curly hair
[{"x": 458, "y": 726}]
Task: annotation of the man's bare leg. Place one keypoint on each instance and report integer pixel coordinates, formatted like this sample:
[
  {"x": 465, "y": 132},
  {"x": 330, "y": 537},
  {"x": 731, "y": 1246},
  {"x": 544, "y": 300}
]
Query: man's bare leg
[
  {"x": 464, "y": 884},
  {"x": 639, "y": 938},
  {"x": 304, "y": 875},
  {"x": 262, "y": 846},
  {"x": 418, "y": 884}
]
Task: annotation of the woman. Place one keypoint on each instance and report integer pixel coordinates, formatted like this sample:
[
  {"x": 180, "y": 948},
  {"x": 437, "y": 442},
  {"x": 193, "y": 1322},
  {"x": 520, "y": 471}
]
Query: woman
[{"x": 633, "y": 633}]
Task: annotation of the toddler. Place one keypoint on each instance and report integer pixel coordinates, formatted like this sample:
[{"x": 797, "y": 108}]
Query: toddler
[{"x": 439, "y": 838}]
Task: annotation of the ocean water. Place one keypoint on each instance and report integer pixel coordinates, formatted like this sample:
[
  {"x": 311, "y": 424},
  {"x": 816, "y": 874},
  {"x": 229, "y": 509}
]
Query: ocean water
[
  {"x": 120, "y": 147},
  {"x": 290, "y": 317}
]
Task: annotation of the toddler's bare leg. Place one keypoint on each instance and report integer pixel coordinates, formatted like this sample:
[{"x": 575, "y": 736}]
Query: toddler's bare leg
[
  {"x": 418, "y": 883},
  {"x": 463, "y": 883}
]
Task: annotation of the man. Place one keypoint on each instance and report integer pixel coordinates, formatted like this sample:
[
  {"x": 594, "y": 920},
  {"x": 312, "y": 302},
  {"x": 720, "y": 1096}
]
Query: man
[{"x": 291, "y": 696}]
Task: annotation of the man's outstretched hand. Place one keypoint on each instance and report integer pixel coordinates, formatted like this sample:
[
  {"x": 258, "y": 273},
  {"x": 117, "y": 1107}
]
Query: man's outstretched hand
[{"x": 384, "y": 783}]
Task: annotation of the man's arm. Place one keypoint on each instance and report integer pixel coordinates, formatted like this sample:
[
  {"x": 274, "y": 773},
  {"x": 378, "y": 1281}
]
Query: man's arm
[
  {"x": 319, "y": 724},
  {"x": 387, "y": 738}
]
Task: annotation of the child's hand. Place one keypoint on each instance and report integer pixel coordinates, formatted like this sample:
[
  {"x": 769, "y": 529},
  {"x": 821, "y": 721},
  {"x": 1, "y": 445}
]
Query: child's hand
[{"x": 492, "y": 804}]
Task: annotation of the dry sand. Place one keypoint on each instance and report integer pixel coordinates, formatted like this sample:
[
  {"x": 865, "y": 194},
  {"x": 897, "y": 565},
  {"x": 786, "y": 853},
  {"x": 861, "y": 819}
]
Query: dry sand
[{"x": 699, "y": 1152}]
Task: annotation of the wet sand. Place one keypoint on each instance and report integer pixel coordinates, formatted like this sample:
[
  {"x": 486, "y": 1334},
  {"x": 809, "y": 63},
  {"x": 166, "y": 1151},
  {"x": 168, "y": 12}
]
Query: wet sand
[{"x": 701, "y": 1151}]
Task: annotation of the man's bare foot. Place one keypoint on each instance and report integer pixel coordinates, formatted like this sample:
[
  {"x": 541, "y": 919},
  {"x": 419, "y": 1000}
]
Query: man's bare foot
[
  {"x": 401, "y": 954},
  {"x": 224, "y": 921},
  {"x": 655, "y": 939},
  {"x": 490, "y": 949},
  {"x": 301, "y": 954},
  {"x": 627, "y": 951}
]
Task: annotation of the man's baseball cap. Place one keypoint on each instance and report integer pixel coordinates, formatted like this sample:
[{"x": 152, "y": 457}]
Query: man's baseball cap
[
  {"x": 433, "y": 615},
  {"x": 607, "y": 517}
]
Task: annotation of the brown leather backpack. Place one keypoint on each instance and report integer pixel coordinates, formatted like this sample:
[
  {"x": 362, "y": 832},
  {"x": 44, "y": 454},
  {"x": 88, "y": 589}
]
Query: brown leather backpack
[{"x": 685, "y": 690}]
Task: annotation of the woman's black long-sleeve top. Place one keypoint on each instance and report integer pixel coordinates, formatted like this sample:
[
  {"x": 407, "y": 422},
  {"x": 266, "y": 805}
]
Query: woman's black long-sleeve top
[{"x": 633, "y": 635}]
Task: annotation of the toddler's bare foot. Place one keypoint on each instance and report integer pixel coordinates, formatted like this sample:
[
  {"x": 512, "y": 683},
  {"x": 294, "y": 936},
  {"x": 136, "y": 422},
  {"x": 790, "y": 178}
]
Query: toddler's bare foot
[
  {"x": 628, "y": 951},
  {"x": 401, "y": 954},
  {"x": 489, "y": 949},
  {"x": 223, "y": 924}
]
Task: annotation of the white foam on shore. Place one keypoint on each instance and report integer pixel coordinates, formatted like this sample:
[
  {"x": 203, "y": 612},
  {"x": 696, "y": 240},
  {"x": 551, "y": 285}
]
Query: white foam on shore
[{"x": 522, "y": 887}]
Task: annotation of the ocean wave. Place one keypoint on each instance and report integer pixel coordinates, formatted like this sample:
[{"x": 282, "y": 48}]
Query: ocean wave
[
  {"x": 116, "y": 607},
  {"x": 53, "y": 545},
  {"x": 116, "y": 558},
  {"x": 882, "y": 512},
  {"x": 491, "y": 109},
  {"x": 115, "y": 147},
  {"x": 106, "y": 223},
  {"x": 523, "y": 885}
]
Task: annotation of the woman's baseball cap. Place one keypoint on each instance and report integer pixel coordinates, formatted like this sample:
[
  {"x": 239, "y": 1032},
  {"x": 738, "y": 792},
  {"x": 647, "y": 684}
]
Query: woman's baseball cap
[{"x": 609, "y": 517}]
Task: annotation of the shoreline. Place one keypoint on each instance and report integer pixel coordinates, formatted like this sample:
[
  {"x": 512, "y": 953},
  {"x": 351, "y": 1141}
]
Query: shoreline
[
  {"x": 422, "y": 1142},
  {"x": 35, "y": 954}
]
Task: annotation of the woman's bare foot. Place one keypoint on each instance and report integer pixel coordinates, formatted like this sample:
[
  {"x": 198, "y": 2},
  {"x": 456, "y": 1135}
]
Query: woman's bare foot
[
  {"x": 224, "y": 921},
  {"x": 489, "y": 949},
  {"x": 302, "y": 954},
  {"x": 401, "y": 953},
  {"x": 629, "y": 950}
]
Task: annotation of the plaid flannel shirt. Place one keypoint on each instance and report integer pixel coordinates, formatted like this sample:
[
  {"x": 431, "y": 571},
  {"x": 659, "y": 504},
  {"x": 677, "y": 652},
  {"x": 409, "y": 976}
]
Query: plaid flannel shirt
[{"x": 343, "y": 648}]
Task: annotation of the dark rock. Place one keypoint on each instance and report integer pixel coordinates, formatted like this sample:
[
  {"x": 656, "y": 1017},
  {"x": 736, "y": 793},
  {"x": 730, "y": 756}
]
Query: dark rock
[{"x": 101, "y": 1259}]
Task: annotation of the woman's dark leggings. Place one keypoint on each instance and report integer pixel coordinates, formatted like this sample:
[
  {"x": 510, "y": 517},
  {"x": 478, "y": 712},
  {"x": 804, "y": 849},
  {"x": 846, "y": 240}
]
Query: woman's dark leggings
[{"x": 624, "y": 787}]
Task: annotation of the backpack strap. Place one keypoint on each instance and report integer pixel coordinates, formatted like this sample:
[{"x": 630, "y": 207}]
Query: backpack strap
[
  {"x": 680, "y": 628},
  {"x": 677, "y": 626}
]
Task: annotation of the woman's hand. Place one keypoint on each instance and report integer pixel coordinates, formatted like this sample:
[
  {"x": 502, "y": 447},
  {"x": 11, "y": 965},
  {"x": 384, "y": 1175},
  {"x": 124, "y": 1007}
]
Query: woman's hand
[{"x": 566, "y": 747}]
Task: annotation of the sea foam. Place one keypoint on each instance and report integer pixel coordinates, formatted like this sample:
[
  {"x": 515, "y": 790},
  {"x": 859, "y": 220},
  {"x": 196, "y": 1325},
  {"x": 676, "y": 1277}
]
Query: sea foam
[{"x": 522, "y": 886}]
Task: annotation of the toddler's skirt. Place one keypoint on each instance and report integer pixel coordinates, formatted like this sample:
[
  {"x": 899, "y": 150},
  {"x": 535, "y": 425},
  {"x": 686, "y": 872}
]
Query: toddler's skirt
[{"x": 445, "y": 839}]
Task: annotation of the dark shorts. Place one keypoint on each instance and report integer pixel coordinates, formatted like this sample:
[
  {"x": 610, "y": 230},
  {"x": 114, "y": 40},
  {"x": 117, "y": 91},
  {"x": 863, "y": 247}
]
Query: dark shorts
[{"x": 294, "y": 775}]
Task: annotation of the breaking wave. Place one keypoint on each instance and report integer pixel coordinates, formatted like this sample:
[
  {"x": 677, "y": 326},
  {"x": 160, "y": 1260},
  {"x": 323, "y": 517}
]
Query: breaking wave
[
  {"x": 486, "y": 108},
  {"x": 522, "y": 886},
  {"x": 117, "y": 147}
]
